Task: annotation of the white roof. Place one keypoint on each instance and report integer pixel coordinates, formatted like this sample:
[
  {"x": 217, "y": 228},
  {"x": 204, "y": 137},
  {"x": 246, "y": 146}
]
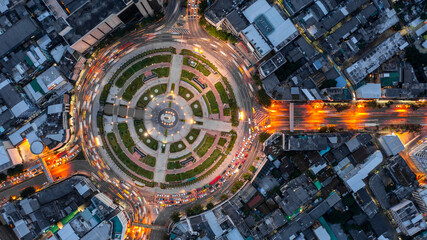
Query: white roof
[
  {"x": 4, "y": 157},
  {"x": 318, "y": 168},
  {"x": 421, "y": 30},
  {"x": 235, "y": 235},
  {"x": 21, "y": 229},
  {"x": 370, "y": 90},
  {"x": 213, "y": 223},
  {"x": 257, "y": 8},
  {"x": 282, "y": 29},
  {"x": 20, "y": 108},
  {"x": 355, "y": 178},
  {"x": 321, "y": 233},
  {"x": 391, "y": 144},
  {"x": 16, "y": 137},
  {"x": 67, "y": 233},
  {"x": 82, "y": 189},
  {"x": 416, "y": 22},
  {"x": 14, "y": 156},
  {"x": 56, "y": 108},
  {"x": 256, "y": 39}
]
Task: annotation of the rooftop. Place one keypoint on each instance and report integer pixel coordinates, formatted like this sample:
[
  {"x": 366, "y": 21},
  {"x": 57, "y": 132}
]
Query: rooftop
[
  {"x": 16, "y": 34},
  {"x": 90, "y": 15}
]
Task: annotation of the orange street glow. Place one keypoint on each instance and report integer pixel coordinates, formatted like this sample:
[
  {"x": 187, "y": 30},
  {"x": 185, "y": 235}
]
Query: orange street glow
[
  {"x": 241, "y": 115},
  {"x": 97, "y": 141}
]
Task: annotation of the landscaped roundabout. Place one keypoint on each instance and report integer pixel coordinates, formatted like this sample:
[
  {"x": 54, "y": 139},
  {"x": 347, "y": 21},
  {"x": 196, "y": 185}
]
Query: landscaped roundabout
[{"x": 166, "y": 118}]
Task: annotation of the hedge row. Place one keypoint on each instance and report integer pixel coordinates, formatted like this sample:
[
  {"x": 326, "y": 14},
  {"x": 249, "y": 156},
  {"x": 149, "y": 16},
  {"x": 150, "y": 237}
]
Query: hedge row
[
  {"x": 140, "y": 65},
  {"x": 198, "y": 112},
  {"x": 192, "y": 54},
  {"x": 212, "y": 102},
  {"x": 125, "y": 160},
  {"x": 125, "y": 136},
  {"x": 118, "y": 164},
  {"x": 205, "y": 145},
  {"x": 194, "y": 132},
  {"x": 133, "y": 88},
  {"x": 195, "y": 171},
  {"x": 222, "y": 93}
]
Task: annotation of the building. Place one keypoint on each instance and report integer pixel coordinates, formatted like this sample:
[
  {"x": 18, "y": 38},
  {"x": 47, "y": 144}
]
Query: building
[
  {"x": 369, "y": 91},
  {"x": 391, "y": 144},
  {"x": 9, "y": 156},
  {"x": 17, "y": 34},
  {"x": 269, "y": 28},
  {"x": 83, "y": 23},
  {"x": 13, "y": 105},
  {"x": 45, "y": 83},
  {"x": 374, "y": 58},
  {"x": 217, "y": 12},
  {"x": 420, "y": 197},
  {"x": 419, "y": 156},
  {"x": 408, "y": 218},
  {"x": 72, "y": 209},
  {"x": 354, "y": 176}
]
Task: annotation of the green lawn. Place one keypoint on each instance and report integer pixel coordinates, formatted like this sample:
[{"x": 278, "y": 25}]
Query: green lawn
[
  {"x": 133, "y": 88},
  {"x": 191, "y": 53},
  {"x": 195, "y": 171},
  {"x": 222, "y": 142},
  {"x": 180, "y": 158},
  {"x": 205, "y": 145},
  {"x": 198, "y": 112},
  {"x": 146, "y": 97},
  {"x": 226, "y": 111},
  {"x": 188, "y": 75},
  {"x": 175, "y": 147},
  {"x": 183, "y": 93},
  {"x": 212, "y": 102},
  {"x": 194, "y": 132},
  {"x": 197, "y": 87},
  {"x": 120, "y": 82},
  {"x": 222, "y": 93},
  {"x": 104, "y": 93},
  {"x": 125, "y": 160},
  {"x": 149, "y": 160},
  {"x": 161, "y": 72},
  {"x": 202, "y": 69},
  {"x": 174, "y": 165},
  {"x": 147, "y": 140},
  {"x": 125, "y": 136}
]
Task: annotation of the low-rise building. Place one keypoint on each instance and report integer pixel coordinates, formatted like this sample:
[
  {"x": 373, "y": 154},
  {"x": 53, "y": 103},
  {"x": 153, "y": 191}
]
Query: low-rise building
[
  {"x": 408, "y": 218},
  {"x": 391, "y": 144}
]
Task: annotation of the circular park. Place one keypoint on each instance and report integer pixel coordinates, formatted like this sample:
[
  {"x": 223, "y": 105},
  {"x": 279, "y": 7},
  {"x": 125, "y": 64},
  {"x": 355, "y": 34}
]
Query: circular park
[{"x": 166, "y": 118}]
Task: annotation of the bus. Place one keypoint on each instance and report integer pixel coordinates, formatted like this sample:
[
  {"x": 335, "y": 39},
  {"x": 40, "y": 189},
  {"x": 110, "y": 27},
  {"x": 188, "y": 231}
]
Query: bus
[{"x": 215, "y": 180}]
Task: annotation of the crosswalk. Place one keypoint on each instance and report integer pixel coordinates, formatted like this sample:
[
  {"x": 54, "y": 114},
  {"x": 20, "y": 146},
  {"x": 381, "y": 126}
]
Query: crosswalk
[
  {"x": 259, "y": 115},
  {"x": 179, "y": 30}
]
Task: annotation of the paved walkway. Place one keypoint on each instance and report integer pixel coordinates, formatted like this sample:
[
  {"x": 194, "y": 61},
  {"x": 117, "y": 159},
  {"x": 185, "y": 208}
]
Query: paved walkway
[
  {"x": 161, "y": 164},
  {"x": 175, "y": 73},
  {"x": 214, "y": 125}
]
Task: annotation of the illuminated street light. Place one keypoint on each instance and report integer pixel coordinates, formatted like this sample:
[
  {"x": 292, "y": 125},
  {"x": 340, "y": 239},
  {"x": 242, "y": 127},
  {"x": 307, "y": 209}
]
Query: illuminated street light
[{"x": 241, "y": 115}]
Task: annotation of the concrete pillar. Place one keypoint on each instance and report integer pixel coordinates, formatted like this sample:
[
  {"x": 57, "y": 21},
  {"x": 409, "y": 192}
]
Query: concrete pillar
[
  {"x": 141, "y": 9},
  {"x": 46, "y": 170},
  {"x": 147, "y": 7}
]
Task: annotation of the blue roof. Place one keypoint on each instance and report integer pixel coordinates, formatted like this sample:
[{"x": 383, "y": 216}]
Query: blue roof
[
  {"x": 341, "y": 82},
  {"x": 118, "y": 227}
]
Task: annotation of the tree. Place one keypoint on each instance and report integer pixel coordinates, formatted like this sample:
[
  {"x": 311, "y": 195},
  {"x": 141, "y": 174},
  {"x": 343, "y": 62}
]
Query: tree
[
  {"x": 264, "y": 136},
  {"x": 209, "y": 205},
  {"x": 27, "y": 192},
  {"x": 246, "y": 176},
  {"x": 176, "y": 217},
  {"x": 263, "y": 98},
  {"x": 236, "y": 186},
  {"x": 3, "y": 177},
  {"x": 252, "y": 169},
  {"x": 224, "y": 197},
  {"x": 424, "y": 16},
  {"x": 328, "y": 83},
  {"x": 15, "y": 170}
]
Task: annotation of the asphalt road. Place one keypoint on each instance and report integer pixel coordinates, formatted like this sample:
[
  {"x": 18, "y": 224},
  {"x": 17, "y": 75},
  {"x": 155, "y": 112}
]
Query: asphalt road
[{"x": 310, "y": 117}]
